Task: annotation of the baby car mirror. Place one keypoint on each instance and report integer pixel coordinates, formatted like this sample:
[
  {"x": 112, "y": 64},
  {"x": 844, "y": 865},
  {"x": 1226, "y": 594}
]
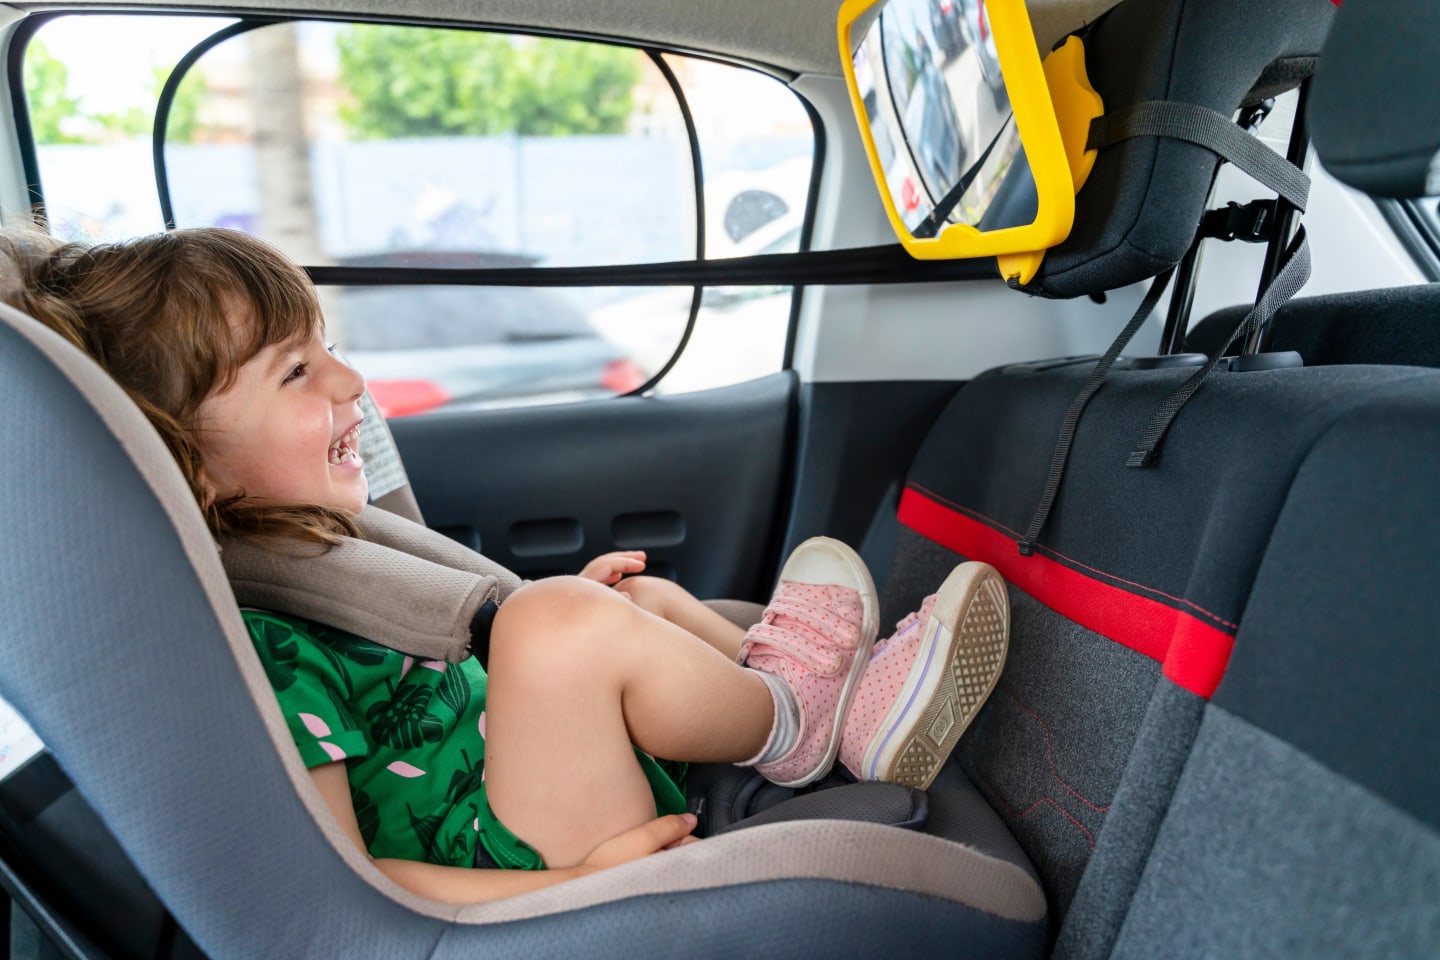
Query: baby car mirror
[{"x": 957, "y": 120}]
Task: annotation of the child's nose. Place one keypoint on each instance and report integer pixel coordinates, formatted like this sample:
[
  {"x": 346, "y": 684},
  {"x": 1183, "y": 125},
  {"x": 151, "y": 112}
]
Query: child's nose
[{"x": 350, "y": 384}]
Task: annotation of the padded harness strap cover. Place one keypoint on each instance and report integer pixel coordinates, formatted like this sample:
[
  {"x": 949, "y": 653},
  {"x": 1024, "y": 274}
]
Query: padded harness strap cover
[{"x": 403, "y": 585}]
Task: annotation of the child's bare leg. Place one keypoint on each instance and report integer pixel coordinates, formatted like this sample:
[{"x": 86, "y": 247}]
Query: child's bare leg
[
  {"x": 669, "y": 600},
  {"x": 578, "y": 674}
]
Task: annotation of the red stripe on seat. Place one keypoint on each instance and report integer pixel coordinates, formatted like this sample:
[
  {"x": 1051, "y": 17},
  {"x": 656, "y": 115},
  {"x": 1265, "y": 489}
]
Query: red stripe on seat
[{"x": 1193, "y": 653}]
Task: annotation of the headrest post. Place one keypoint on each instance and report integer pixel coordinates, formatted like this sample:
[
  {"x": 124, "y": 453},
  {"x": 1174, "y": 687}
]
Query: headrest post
[
  {"x": 1177, "y": 319},
  {"x": 1258, "y": 340}
]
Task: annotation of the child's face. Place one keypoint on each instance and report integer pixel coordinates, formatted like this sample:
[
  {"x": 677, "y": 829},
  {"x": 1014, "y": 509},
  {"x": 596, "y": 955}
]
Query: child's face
[{"x": 285, "y": 430}]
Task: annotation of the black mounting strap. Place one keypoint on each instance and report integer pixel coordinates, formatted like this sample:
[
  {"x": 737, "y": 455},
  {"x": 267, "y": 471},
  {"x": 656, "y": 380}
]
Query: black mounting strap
[
  {"x": 1206, "y": 128},
  {"x": 1287, "y": 282},
  {"x": 1077, "y": 406}
]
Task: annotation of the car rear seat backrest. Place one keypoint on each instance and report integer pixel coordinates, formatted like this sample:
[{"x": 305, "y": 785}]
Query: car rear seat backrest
[
  {"x": 1304, "y": 823},
  {"x": 1390, "y": 326},
  {"x": 1124, "y": 625},
  {"x": 1115, "y": 595},
  {"x": 1124, "y": 618}
]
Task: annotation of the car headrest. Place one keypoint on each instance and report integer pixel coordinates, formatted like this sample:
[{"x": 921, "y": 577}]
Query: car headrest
[
  {"x": 1373, "y": 113},
  {"x": 1138, "y": 210}
]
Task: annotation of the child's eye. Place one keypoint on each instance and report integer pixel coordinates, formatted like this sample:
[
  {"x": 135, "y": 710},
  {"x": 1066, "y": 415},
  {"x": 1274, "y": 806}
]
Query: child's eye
[{"x": 295, "y": 374}]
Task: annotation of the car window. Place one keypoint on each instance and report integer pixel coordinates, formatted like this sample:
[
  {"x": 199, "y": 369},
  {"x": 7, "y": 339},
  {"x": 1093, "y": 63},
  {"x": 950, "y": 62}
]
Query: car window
[
  {"x": 1417, "y": 222},
  {"x": 370, "y": 146}
]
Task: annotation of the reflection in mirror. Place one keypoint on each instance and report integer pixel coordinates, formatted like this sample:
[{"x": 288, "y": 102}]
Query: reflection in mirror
[{"x": 938, "y": 111}]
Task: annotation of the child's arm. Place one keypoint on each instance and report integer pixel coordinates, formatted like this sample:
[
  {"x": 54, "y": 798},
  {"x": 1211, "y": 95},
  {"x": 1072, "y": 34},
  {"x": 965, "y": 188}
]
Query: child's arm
[
  {"x": 469, "y": 885},
  {"x": 670, "y": 601},
  {"x": 608, "y": 568}
]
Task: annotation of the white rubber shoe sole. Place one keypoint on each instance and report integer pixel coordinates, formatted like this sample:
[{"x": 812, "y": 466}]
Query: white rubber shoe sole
[{"x": 961, "y": 655}]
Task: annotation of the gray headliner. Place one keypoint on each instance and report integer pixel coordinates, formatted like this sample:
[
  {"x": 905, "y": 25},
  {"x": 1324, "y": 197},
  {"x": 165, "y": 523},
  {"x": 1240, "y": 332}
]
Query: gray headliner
[{"x": 796, "y": 36}]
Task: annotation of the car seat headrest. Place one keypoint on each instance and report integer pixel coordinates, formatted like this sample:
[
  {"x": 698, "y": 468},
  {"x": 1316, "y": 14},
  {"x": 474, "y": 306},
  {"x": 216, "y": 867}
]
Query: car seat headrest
[
  {"x": 1138, "y": 210},
  {"x": 1373, "y": 113}
]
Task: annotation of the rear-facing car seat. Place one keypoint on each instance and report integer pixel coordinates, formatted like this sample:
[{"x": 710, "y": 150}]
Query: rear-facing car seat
[{"x": 124, "y": 649}]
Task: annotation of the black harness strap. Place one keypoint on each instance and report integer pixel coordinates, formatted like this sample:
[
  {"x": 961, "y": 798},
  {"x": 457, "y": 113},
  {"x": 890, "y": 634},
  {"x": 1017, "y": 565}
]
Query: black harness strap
[{"x": 1077, "y": 406}]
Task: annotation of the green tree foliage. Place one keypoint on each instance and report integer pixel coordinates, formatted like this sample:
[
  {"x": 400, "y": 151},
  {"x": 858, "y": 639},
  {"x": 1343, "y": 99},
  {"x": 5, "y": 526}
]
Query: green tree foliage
[
  {"x": 409, "y": 82},
  {"x": 183, "y": 123},
  {"x": 47, "y": 88},
  {"x": 58, "y": 117}
]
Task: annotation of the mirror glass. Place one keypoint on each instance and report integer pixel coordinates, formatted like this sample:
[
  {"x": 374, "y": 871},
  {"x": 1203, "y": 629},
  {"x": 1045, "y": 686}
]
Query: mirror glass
[{"x": 934, "y": 96}]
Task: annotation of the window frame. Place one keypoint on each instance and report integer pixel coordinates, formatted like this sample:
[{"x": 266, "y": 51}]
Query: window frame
[{"x": 698, "y": 277}]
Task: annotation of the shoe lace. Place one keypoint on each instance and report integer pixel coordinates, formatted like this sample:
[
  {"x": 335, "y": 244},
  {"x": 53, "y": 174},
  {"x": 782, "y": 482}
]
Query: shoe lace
[{"x": 786, "y": 630}]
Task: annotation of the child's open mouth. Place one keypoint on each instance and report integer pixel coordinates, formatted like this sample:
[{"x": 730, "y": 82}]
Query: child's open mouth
[{"x": 347, "y": 448}]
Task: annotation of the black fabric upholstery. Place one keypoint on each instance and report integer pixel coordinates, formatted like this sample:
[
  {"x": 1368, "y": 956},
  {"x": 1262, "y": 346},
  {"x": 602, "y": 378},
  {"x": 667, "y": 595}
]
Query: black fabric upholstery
[
  {"x": 1136, "y": 813},
  {"x": 1217, "y": 487},
  {"x": 889, "y": 803},
  {"x": 1138, "y": 211},
  {"x": 1267, "y": 854},
  {"x": 1398, "y": 325},
  {"x": 1374, "y": 117},
  {"x": 1304, "y": 822},
  {"x": 1050, "y": 746},
  {"x": 1338, "y": 654},
  {"x": 1082, "y": 729}
]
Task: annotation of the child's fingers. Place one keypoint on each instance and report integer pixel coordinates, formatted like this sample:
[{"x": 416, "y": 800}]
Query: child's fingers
[
  {"x": 683, "y": 841},
  {"x": 649, "y": 837}
]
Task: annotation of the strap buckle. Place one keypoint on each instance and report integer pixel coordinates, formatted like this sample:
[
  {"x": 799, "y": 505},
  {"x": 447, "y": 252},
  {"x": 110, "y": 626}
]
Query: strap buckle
[{"x": 1253, "y": 222}]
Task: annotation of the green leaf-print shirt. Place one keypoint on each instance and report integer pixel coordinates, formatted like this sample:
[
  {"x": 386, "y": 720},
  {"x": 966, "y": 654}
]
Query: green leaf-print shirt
[{"x": 411, "y": 733}]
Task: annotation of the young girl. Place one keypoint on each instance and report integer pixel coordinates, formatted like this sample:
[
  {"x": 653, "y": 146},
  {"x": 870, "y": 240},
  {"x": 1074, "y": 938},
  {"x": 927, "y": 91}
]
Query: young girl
[{"x": 547, "y": 762}]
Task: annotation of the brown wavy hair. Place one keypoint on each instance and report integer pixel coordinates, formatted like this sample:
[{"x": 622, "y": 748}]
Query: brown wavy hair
[{"x": 159, "y": 314}]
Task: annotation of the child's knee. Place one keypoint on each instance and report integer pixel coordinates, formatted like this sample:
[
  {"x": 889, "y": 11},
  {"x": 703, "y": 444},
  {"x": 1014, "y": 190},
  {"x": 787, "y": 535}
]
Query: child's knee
[{"x": 555, "y": 613}]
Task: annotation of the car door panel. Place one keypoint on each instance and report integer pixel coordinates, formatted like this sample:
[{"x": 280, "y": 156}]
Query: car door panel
[{"x": 698, "y": 481}]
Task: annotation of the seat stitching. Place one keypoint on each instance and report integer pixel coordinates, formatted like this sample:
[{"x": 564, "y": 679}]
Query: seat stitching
[
  {"x": 1049, "y": 754},
  {"x": 1021, "y": 815},
  {"x": 991, "y": 521}
]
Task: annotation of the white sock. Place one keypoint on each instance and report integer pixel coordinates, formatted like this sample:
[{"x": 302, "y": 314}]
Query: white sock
[{"x": 786, "y": 728}]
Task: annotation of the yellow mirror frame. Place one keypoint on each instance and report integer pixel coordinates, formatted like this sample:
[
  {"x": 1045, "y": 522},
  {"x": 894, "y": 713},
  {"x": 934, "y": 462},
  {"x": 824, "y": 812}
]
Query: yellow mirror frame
[{"x": 1019, "y": 249}]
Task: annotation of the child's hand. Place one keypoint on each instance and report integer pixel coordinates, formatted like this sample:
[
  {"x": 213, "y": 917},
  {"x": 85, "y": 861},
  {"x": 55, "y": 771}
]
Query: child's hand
[
  {"x": 608, "y": 568},
  {"x": 662, "y": 833}
]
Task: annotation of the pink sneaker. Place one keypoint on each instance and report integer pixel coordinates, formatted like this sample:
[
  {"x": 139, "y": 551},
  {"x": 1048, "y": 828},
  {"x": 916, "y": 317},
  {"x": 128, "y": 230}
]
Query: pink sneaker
[
  {"x": 926, "y": 682},
  {"x": 816, "y": 635}
]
